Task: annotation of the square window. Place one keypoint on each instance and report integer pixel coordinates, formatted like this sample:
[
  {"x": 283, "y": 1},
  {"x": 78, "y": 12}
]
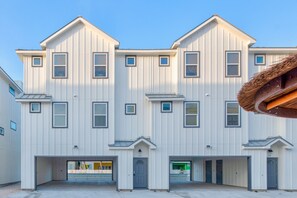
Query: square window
[
  {"x": 164, "y": 61},
  {"x": 130, "y": 109},
  {"x": 35, "y": 107},
  {"x": 13, "y": 125},
  {"x": 192, "y": 64},
  {"x": 130, "y": 61},
  {"x": 260, "y": 59},
  {"x": 166, "y": 107},
  {"x": 60, "y": 65},
  {"x": 1, "y": 131},
  {"x": 232, "y": 63},
  {"x": 36, "y": 61}
]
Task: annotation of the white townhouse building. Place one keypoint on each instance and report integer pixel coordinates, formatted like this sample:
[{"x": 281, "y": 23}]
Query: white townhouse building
[
  {"x": 85, "y": 99},
  {"x": 10, "y": 130}
]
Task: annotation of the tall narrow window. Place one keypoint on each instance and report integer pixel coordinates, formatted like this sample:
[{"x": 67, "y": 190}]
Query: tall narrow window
[
  {"x": 192, "y": 64},
  {"x": 100, "y": 115},
  {"x": 100, "y": 65},
  {"x": 60, "y": 65},
  {"x": 232, "y": 63},
  {"x": 232, "y": 114},
  {"x": 60, "y": 115},
  {"x": 191, "y": 114}
]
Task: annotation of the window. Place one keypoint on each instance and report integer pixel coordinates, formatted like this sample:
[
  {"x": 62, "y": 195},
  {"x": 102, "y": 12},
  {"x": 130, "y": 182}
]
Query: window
[
  {"x": 60, "y": 65},
  {"x": 1, "y": 131},
  {"x": 164, "y": 61},
  {"x": 100, "y": 65},
  {"x": 35, "y": 107},
  {"x": 166, "y": 107},
  {"x": 192, "y": 64},
  {"x": 60, "y": 115},
  {"x": 260, "y": 59},
  {"x": 232, "y": 114},
  {"x": 13, "y": 125},
  {"x": 130, "y": 61},
  {"x": 11, "y": 90},
  {"x": 100, "y": 110},
  {"x": 233, "y": 64},
  {"x": 191, "y": 114},
  {"x": 36, "y": 61},
  {"x": 130, "y": 109}
]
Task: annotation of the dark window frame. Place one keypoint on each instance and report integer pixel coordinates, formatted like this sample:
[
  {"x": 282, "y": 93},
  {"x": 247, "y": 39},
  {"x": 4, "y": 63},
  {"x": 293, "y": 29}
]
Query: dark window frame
[
  {"x": 198, "y": 113},
  {"x": 130, "y": 104},
  {"x": 126, "y": 60},
  {"x": 171, "y": 107},
  {"x": 30, "y": 107},
  {"x": 11, "y": 90},
  {"x": 260, "y": 64},
  {"x": 41, "y": 61},
  {"x": 198, "y": 64},
  {"x": 60, "y": 102},
  {"x": 239, "y": 114},
  {"x": 3, "y": 132},
  {"x": 107, "y": 65},
  {"x": 164, "y": 56},
  {"x": 66, "y": 66},
  {"x": 107, "y": 113},
  {"x": 239, "y": 64}
]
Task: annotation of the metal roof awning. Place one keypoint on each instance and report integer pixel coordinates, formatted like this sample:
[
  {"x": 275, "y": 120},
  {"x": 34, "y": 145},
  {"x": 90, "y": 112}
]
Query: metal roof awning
[
  {"x": 267, "y": 143},
  {"x": 164, "y": 97},
  {"x": 34, "y": 98},
  {"x": 129, "y": 145}
]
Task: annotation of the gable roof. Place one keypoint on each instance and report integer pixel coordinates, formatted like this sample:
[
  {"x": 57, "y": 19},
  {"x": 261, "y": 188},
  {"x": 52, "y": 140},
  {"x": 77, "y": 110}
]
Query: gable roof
[
  {"x": 218, "y": 19},
  {"x": 72, "y": 23},
  {"x": 267, "y": 143},
  {"x": 130, "y": 145},
  {"x": 11, "y": 82}
]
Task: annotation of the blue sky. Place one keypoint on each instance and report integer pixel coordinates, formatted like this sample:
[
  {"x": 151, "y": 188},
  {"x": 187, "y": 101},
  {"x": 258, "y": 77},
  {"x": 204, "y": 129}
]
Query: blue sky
[{"x": 140, "y": 23}]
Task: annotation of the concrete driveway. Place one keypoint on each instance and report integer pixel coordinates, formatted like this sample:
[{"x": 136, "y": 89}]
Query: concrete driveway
[{"x": 62, "y": 189}]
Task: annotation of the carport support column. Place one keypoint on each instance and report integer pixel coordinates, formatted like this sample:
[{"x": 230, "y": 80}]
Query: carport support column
[
  {"x": 197, "y": 170},
  {"x": 125, "y": 170},
  {"x": 258, "y": 169}
]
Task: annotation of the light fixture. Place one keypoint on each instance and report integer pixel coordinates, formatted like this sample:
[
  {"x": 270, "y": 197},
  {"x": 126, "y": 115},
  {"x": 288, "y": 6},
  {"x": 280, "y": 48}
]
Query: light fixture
[
  {"x": 139, "y": 151},
  {"x": 270, "y": 150},
  {"x": 75, "y": 147},
  {"x": 208, "y": 146}
]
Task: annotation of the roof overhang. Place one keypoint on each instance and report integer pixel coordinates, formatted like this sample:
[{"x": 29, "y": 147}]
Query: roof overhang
[
  {"x": 164, "y": 97},
  {"x": 273, "y": 91},
  {"x": 273, "y": 50},
  {"x": 73, "y": 23},
  {"x": 144, "y": 52},
  {"x": 267, "y": 144},
  {"x": 218, "y": 19},
  {"x": 130, "y": 145},
  {"x": 25, "y": 98},
  {"x": 29, "y": 52}
]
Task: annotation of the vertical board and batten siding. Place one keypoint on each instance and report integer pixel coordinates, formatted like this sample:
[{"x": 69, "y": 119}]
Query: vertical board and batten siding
[{"x": 10, "y": 151}]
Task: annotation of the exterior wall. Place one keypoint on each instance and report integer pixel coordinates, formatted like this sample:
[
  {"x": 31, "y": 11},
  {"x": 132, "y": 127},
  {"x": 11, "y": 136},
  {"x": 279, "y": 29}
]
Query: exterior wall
[
  {"x": 235, "y": 172},
  {"x": 10, "y": 149},
  {"x": 44, "y": 170}
]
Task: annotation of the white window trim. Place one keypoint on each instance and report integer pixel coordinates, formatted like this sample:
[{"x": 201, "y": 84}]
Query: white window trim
[
  {"x": 197, "y": 65},
  {"x": 197, "y": 115},
  {"x": 264, "y": 59},
  {"x": 166, "y": 111},
  {"x": 65, "y": 114},
  {"x": 106, "y": 65},
  {"x": 233, "y": 64},
  {"x": 98, "y": 114},
  {"x": 36, "y": 57},
  {"x": 130, "y": 104},
  {"x": 126, "y": 61},
  {"x": 226, "y": 115},
  {"x": 168, "y": 60},
  {"x": 31, "y": 111},
  {"x": 66, "y": 64}
]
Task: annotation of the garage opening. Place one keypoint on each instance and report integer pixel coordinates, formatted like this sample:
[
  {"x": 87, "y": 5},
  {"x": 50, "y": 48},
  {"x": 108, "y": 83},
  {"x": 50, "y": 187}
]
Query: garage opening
[
  {"x": 209, "y": 172},
  {"x": 76, "y": 172},
  {"x": 93, "y": 171}
]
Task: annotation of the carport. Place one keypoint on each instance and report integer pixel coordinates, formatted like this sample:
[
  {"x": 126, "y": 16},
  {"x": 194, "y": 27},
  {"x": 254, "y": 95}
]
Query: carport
[
  {"x": 210, "y": 172},
  {"x": 95, "y": 171}
]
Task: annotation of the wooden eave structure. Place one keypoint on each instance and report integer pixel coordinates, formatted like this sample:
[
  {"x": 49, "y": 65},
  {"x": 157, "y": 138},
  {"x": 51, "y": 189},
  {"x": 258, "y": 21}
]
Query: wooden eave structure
[{"x": 272, "y": 91}]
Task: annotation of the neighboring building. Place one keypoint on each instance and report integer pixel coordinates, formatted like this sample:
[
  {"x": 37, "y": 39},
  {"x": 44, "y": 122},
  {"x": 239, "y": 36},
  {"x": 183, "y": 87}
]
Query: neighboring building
[
  {"x": 10, "y": 130},
  {"x": 87, "y": 100}
]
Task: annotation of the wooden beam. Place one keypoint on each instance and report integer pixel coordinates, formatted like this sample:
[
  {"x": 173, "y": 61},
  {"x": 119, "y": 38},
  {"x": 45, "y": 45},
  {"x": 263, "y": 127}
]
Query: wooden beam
[{"x": 282, "y": 100}]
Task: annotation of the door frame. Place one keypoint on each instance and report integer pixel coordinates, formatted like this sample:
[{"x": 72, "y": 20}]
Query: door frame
[
  {"x": 276, "y": 159},
  {"x": 210, "y": 171},
  {"x": 135, "y": 158},
  {"x": 217, "y": 171}
]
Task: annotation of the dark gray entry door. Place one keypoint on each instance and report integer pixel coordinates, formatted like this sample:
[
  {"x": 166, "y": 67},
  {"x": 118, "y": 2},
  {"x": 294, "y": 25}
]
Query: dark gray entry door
[
  {"x": 219, "y": 172},
  {"x": 140, "y": 173},
  {"x": 208, "y": 171},
  {"x": 272, "y": 173}
]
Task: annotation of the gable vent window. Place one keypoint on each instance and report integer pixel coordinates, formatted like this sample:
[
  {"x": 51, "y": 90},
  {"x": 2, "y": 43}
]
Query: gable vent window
[
  {"x": 60, "y": 64},
  {"x": 232, "y": 63},
  {"x": 100, "y": 65},
  {"x": 192, "y": 64}
]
